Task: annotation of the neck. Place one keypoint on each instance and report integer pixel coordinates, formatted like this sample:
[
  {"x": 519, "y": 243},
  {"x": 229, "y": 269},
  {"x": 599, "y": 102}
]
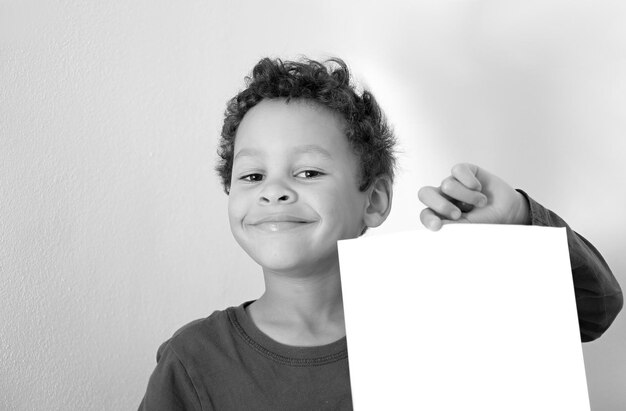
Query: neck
[{"x": 304, "y": 308}]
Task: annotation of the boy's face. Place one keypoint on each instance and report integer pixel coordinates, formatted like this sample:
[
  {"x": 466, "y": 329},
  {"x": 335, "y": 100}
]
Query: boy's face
[{"x": 294, "y": 188}]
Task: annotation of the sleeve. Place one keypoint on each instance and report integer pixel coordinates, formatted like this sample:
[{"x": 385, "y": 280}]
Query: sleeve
[
  {"x": 170, "y": 387},
  {"x": 598, "y": 295}
]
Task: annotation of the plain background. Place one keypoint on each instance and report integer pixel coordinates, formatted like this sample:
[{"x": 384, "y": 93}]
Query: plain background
[{"x": 113, "y": 227}]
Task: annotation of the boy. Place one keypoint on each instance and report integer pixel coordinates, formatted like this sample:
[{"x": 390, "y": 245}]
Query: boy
[{"x": 307, "y": 161}]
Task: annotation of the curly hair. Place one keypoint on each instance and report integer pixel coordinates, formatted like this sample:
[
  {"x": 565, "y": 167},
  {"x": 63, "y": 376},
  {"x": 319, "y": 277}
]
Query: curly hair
[{"x": 368, "y": 133}]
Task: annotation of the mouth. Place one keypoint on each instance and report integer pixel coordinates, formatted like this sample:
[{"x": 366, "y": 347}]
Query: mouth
[{"x": 274, "y": 224}]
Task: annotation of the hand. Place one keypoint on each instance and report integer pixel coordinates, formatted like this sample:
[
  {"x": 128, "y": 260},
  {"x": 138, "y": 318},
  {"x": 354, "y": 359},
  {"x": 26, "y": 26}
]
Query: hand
[{"x": 472, "y": 195}]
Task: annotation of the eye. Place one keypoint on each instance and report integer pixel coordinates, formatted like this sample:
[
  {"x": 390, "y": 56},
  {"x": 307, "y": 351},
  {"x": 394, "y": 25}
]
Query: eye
[
  {"x": 252, "y": 178},
  {"x": 309, "y": 174}
]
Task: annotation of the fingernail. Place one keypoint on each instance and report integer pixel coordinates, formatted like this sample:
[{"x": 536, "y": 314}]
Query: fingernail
[
  {"x": 482, "y": 202},
  {"x": 456, "y": 214}
]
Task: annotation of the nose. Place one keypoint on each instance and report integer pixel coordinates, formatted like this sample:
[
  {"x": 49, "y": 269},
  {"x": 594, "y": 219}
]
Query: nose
[{"x": 277, "y": 192}]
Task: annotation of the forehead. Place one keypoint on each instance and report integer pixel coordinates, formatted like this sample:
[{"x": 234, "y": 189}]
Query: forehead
[{"x": 299, "y": 125}]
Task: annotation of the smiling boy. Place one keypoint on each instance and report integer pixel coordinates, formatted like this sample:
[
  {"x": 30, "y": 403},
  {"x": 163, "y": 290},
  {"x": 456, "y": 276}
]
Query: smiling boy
[
  {"x": 294, "y": 194},
  {"x": 308, "y": 161}
]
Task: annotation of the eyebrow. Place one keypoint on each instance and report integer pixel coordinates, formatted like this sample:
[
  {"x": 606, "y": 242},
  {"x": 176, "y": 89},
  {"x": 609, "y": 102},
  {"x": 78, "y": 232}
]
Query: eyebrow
[
  {"x": 305, "y": 149},
  {"x": 313, "y": 149},
  {"x": 250, "y": 152}
]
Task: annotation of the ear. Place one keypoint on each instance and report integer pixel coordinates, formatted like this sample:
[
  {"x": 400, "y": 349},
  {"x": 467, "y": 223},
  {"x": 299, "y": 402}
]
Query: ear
[{"x": 378, "y": 206}]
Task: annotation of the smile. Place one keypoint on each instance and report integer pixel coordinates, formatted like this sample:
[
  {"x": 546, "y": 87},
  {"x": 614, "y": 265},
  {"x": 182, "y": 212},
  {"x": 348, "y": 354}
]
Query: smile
[
  {"x": 277, "y": 226},
  {"x": 279, "y": 222}
]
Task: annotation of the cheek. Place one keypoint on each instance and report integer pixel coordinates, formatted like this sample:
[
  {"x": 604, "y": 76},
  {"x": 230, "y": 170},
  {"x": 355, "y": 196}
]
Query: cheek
[
  {"x": 236, "y": 213},
  {"x": 346, "y": 214},
  {"x": 236, "y": 208}
]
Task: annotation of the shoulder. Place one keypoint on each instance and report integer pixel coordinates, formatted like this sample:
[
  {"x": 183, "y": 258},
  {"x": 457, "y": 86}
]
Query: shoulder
[
  {"x": 202, "y": 337},
  {"x": 184, "y": 362},
  {"x": 199, "y": 328}
]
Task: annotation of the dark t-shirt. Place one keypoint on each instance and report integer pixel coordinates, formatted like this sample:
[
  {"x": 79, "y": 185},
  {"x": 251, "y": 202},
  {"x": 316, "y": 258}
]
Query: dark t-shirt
[{"x": 224, "y": 362}]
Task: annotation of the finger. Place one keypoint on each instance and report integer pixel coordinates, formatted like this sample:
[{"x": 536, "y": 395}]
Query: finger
[
  {"x": 433, "y": 198},
  {"x": 458, "y": 192},
  {"x": 430, "y": 220},
  {"x": 464, "y": 207},
  {"x": 467, "y": 173},
  {"x": 461, "y": 220}
]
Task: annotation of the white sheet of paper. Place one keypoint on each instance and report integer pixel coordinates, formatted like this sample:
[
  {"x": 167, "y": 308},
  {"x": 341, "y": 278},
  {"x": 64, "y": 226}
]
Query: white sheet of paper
[{"x": 472, "y": 317}]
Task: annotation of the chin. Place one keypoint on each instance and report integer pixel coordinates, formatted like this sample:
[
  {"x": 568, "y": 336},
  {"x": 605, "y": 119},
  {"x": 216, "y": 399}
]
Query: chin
[
  {"x": 281, "y": 263},
  {"x": 290, "y": 261}
]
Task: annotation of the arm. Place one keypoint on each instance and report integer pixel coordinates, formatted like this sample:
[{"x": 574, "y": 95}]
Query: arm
[
  {"x": 473, "y": 195},
  {"x": 598, "y": 295},
  {"x": 170, "y": 387}
]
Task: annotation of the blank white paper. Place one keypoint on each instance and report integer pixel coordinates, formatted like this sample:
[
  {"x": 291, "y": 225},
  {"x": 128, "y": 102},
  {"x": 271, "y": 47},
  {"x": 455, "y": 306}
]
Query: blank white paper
[{"x": 472, "y": 317}]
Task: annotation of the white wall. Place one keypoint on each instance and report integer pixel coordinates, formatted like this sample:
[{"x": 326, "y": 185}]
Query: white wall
[{"x": 113, "y": 229}]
